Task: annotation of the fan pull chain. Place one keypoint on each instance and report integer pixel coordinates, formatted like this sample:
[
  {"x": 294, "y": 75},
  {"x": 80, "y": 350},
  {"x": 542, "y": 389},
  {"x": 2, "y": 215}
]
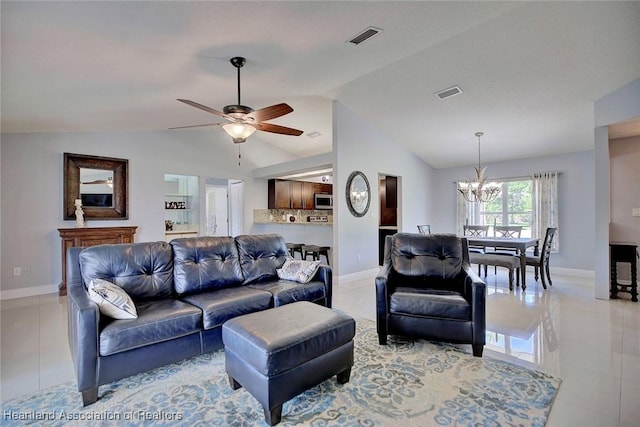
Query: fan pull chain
[{"x": 239, "y": 156}]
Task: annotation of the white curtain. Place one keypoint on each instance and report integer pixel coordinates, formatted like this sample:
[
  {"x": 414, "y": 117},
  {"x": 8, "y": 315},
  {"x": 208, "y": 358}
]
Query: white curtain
[
  {"x": 544, "y": 204},
  {"x": 466, "y": 212}
]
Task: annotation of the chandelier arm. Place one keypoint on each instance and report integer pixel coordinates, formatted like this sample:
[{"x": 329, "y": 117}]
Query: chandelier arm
[{"x": 477, "y": 191}]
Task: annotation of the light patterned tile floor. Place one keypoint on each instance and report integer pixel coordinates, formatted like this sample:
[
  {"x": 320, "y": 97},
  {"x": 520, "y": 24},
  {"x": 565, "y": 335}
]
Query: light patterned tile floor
[{"x": 593, "y": 345}]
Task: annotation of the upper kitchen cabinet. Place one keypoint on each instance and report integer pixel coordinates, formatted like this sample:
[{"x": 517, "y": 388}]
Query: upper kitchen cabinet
[{"x": 287, "y": 194}]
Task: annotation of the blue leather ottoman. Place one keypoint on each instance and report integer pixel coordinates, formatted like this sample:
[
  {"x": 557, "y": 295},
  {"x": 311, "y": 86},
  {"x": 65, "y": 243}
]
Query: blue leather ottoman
[{"x": 278, "y": 353}]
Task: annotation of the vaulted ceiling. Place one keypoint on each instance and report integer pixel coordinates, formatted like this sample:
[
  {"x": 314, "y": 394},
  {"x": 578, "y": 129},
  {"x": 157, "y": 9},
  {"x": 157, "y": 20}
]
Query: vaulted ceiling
[{"x": 529, "y": 71}]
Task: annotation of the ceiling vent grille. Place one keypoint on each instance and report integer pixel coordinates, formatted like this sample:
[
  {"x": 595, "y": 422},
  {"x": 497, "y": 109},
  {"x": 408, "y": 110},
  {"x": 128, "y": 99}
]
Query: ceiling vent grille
[
  {"x": 448, "y": 93},
  {"x": 364, "y": 35}
]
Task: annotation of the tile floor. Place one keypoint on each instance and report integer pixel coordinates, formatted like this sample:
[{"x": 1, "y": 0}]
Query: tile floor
[{"x": 593, "y": 345}]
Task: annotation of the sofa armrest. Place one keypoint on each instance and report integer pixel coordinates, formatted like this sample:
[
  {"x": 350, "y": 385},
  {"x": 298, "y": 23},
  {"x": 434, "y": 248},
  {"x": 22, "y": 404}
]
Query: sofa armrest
[
  {"x": 83, "y": 322},
  {"x": 382, "y": 300},
  {"x": 476, "y": 290},
  {"x": 325, "y": 275}
]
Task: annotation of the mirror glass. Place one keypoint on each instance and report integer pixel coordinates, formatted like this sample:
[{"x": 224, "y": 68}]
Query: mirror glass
[
  {"x": 101, "y": 184},
  {"x": 96, "y": 187},
  {"x": 358, "y": 194}
]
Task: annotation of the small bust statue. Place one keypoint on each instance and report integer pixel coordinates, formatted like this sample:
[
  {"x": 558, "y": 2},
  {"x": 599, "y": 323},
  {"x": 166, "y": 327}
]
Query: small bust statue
[{"x": 79, "y": 213}]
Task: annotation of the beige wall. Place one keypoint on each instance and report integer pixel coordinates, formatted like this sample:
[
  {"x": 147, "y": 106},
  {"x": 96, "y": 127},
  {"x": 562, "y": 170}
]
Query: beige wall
[{"x": 624, "y": 157}]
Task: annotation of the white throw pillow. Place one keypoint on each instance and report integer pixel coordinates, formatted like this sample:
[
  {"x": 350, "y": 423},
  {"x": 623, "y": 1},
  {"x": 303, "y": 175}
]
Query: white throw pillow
[
  {"x": 112, "y": 300},
  {"x": 298, "y": 270}
]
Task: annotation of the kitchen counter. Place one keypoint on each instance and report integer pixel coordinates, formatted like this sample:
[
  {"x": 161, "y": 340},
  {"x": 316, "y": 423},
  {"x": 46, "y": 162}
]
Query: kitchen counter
[{"x": 302, "y": 217}]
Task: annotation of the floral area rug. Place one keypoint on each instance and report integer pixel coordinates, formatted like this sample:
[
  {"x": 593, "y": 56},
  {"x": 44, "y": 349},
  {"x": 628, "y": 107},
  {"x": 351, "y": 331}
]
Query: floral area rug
[{"x": 405, "y": 383}]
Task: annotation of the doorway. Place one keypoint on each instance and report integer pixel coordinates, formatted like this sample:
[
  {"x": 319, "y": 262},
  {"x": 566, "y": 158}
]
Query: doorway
[
  {"x": 216, "y": 210},
  {"x": 223, "y": 208},
  {"x": 388, "y": 195}
]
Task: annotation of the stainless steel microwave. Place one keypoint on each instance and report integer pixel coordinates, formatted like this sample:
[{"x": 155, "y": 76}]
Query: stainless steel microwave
[{"x": 323, "y": 201}]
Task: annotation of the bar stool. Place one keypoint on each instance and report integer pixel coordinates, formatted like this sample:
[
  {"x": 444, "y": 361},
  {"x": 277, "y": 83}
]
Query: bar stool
[
  {"x": 315, "y": 251},
  {"x": 295, "y": 247}
]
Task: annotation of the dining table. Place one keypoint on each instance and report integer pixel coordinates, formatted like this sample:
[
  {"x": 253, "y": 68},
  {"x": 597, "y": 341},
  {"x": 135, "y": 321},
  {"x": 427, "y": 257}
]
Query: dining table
[{"x": 519, "y": 243}]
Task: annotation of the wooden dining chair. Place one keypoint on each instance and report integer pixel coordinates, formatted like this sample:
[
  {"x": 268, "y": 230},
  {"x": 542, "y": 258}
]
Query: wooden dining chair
[
  {"x": 424, "y": 229},
  {"x": 541, "y": 262},
  {"x": 507, "y": 232},
  {"x": 476, "y": 231}
]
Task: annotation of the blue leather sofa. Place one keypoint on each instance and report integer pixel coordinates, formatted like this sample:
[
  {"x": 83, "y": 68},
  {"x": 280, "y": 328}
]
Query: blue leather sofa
[{"x": 183, "y": 292}]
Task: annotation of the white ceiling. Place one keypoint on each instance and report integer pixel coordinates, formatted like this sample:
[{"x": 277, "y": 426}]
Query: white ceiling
[{"x": 530, "y": 72}]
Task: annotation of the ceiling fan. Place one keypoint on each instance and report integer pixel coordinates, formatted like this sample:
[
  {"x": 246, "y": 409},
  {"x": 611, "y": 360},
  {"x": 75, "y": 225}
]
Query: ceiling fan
[{"x": 243, "y": 121}]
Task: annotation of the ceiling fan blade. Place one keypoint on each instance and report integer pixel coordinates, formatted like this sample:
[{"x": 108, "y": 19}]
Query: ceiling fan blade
[
  {"x": 268, "y": 113},
  {"x": 196, "y": 126},
  {"x": 268, "y": 127},
  {"x": 203, "y": 107}
]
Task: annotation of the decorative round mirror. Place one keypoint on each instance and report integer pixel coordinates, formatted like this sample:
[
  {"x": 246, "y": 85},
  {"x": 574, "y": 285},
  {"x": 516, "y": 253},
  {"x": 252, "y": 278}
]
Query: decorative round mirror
[{"x": 358, "y": 194}]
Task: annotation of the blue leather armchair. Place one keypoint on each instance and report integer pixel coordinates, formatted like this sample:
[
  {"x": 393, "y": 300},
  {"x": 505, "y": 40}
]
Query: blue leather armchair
[{"x": 426, "y": 289}]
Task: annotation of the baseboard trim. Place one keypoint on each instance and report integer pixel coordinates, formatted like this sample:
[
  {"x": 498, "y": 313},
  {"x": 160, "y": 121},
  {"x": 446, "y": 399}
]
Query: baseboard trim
[
  {"x": 346, "y": 278},
  {"x": 28, "y": 292},
  {"x": 574, "y": 272}
]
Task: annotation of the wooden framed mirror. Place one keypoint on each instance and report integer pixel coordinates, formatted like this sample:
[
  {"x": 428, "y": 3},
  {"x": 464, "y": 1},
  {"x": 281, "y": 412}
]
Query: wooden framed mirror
[
  {"x": 358, "y": 194},
  {"x": 100, "y": 182}
]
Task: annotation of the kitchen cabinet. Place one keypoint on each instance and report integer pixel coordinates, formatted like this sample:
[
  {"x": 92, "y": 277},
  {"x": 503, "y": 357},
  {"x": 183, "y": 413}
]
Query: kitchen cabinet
[
  {"x": 297, "y": 189},
  {"x": 289, "y": 194}
]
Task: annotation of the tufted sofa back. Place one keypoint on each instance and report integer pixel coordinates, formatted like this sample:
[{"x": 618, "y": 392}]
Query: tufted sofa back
[
  {"x": 205, "y": 263},
  {"x": 143, "y": 270},
  {"x": 261, "y": 255},
  {"x": 427, "y": 257}
]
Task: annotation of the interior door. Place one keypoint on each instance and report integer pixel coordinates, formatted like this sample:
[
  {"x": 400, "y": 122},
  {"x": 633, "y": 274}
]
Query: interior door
[
  {"x": 236, "y": 207},
  {"x": 217, "y": 211}
]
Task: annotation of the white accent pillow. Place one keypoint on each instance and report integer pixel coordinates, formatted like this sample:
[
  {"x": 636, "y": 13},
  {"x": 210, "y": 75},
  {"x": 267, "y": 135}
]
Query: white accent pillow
[
  {"x": 112, "y": 300},
  {"x": 298, "y": 270}
]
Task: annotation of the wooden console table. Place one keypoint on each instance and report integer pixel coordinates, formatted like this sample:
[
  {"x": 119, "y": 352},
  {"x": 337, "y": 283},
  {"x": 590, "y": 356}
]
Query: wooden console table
[
  {"x": 90, "y": 236},
  {"x": 624, "y": 252}
]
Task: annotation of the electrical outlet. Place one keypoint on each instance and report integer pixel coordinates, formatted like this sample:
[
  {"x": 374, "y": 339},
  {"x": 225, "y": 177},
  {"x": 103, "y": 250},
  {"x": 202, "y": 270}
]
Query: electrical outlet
[
  {"x": 635, "y": 212},
  {"x": 359, "y": 257},
  {"x": 17, "y": 271}
]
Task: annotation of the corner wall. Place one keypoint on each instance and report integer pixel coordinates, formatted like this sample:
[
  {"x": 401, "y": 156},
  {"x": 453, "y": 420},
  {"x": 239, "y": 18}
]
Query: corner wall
[
  {"x": 358, "y": 145},
  {"x": 624, "y": 157},
  {"x": 32, "y": 190},
  {"x": 618, "y": 106}
]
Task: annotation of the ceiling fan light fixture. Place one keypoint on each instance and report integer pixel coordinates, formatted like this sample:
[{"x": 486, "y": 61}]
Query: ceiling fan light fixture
[{"x": 239, "y": 131}]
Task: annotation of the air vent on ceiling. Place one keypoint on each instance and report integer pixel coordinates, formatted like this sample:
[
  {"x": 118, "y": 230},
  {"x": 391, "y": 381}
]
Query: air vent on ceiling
[
  {"x": 364, "y": 35},
  {"x": 448, "y": 93}
]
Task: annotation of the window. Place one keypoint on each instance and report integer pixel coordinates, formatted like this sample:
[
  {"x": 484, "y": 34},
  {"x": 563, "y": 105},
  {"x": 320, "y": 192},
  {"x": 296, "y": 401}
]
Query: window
[
  {"x": 512, "y": 207},
  {"x": 530, "y": 202}
]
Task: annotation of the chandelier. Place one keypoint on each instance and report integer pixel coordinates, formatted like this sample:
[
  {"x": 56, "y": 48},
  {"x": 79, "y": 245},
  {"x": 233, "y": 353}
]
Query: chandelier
[{"x": 479, "y": 190}]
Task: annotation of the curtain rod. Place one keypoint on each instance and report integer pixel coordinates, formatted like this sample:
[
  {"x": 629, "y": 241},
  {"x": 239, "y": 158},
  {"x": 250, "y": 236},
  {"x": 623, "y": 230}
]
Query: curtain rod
[{"x": 518, "y": 178}]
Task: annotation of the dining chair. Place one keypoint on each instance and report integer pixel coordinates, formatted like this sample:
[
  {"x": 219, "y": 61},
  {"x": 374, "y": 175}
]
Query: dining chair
[
  {"x": 541, "y": 261},
  {"x": 508, "y": 232},
  {"x": 476, "y": 231},
  {"x": 424, "y": 229}
]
